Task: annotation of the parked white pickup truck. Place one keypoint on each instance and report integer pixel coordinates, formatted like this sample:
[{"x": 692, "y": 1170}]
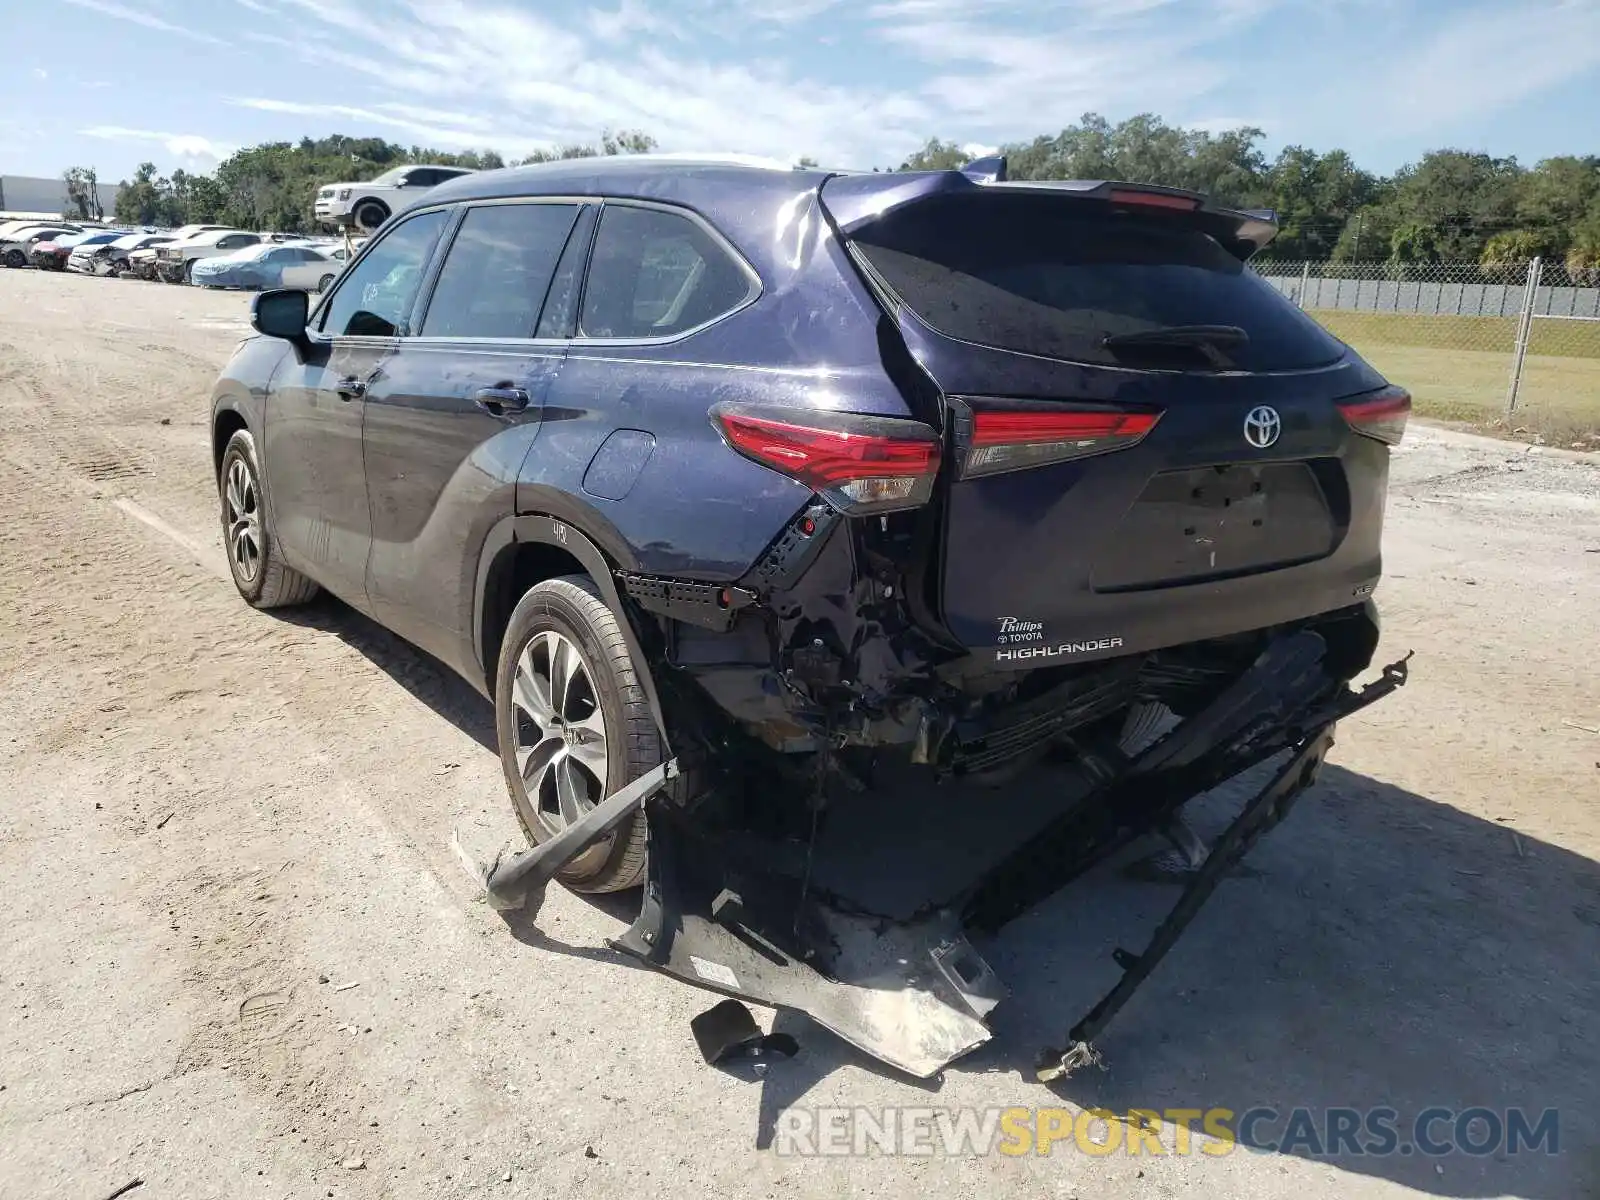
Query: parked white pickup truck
[{"x": 368, "y": 205}]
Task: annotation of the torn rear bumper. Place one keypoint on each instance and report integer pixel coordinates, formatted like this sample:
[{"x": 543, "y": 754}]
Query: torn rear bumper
[{"x": 727, "y": 913}]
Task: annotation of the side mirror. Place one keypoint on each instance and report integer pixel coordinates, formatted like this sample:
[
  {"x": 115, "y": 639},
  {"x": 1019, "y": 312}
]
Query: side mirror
[{"x": 281, "y": 313}]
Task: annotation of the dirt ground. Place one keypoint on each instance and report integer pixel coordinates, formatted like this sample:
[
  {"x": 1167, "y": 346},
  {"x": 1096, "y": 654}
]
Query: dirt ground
[{"x": 240, "y": 960}]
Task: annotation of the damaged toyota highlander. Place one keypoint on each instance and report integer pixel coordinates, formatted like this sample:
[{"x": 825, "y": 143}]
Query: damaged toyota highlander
[{"x": 888, "y": 548}]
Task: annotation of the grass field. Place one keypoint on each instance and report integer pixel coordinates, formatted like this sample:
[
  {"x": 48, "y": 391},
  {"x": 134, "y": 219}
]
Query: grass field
[{"x": 1458, "y": 368}]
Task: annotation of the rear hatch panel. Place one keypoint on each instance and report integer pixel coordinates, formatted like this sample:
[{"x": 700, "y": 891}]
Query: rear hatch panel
[{"x": 1189, "y": 531}]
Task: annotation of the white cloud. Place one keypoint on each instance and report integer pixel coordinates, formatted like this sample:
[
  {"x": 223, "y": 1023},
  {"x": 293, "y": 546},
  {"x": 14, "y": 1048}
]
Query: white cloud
[
  {"x": 429, "y": 126},
  {"x": 1227, "y": 124},
  {"x": 501, "y": 74},
  {"x": 1475, "y": 64},
  {"x": 193, "y": 150},
  {"x": 40, "y": 73},
  {"x": 137, "y": 16},
  {"x": 633, "y": 17},
  {"x": 448, "y": 60}
]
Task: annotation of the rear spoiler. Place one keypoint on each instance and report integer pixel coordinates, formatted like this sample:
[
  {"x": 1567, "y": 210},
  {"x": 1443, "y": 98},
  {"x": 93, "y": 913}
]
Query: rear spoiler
[{"x": 855, "y": 201}]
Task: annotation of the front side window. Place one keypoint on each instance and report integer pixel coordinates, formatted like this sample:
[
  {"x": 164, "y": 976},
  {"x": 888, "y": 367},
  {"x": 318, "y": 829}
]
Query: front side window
[
  {"x": 375, "y": 296},
  {"x": 654, "y": 274},
  {"x": 498, "y": 270}
]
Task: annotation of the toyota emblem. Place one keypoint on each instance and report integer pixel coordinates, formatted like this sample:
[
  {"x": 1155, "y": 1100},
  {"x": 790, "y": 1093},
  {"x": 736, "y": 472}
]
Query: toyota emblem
[{"x": 1262, "y": 425}]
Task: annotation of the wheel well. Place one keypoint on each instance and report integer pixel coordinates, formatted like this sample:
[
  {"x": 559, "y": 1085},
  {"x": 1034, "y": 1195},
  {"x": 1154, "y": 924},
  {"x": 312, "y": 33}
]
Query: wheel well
[
  {"x": 228, "y": 424},
  {"x": 514, "y": 570}
]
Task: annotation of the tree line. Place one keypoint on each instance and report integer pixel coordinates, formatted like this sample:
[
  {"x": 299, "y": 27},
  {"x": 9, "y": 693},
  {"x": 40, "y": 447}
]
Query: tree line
[
  {"x": 1449, "y": 205},
  {"x": 274, "y": 186}
]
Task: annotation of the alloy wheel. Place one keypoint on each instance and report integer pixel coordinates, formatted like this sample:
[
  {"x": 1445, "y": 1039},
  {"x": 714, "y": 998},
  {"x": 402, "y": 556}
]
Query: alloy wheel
[
  {"x": 561, "y": 745},
  {"x": 241, "y": 500}
]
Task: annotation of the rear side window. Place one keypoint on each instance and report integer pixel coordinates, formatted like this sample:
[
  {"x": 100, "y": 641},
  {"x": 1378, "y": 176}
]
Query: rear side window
[
  {"x": 498, "y": 270},
  {"x": 1027, "y": 273},
  {"x": 655, "y": 274}
]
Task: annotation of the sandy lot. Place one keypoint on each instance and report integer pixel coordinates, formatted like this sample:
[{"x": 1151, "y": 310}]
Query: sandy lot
[{"x": 240, "y": 960}]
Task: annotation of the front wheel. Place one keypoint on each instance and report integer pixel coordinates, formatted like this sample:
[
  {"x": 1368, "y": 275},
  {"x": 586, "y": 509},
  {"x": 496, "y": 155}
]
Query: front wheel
[
  {"x": 253, "y": 557},
  {"x": 324, "y": 283},
  {"x": 15, "y": 258},
  {"x": 574, "y": 725}
]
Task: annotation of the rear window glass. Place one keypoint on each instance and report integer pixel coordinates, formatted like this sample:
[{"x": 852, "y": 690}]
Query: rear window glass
[{"x": 1020, "y": 273}]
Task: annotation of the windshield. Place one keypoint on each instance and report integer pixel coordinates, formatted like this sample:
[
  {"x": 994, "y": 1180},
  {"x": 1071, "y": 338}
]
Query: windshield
[
  {"x": 1029, "y": 273},
  {"x": 392, "y": 175}
]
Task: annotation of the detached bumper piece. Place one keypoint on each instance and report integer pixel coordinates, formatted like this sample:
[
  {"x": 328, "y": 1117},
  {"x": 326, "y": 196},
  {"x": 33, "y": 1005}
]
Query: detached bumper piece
[
  {"x": 1259, "y": 815},
  {"x": 729, "y": 913}
]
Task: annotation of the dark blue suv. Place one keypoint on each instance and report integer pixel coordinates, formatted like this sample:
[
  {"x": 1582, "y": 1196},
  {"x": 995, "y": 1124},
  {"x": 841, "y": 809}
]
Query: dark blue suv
[{"x": 921, "y": 472}]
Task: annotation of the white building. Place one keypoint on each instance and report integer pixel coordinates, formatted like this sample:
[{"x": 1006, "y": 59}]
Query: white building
[{"x": 28, "y": 196}]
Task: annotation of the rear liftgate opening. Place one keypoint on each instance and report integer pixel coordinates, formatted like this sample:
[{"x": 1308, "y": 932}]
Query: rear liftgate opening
[{"x": 734, "y": 913}]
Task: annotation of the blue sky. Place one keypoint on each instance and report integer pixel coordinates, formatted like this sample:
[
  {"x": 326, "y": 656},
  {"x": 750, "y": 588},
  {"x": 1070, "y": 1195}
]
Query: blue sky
[{"x": 109, "y": 83}]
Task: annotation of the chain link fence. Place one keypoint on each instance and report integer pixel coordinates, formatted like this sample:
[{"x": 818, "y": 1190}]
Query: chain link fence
[{"x": 1514, "y": 347}]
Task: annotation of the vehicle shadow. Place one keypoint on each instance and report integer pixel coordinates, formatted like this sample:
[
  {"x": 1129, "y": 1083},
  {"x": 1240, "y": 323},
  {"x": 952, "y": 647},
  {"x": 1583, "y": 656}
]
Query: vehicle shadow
[
  {"x": 452, "y": 698},
  {"x": 1386, "y": 950},
  {"x": 1383, "y": 950},
  {"x": 424, "y": 676}
]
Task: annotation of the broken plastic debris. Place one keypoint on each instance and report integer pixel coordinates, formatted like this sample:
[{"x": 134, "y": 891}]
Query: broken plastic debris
[{"x": 727, "y": 1031}]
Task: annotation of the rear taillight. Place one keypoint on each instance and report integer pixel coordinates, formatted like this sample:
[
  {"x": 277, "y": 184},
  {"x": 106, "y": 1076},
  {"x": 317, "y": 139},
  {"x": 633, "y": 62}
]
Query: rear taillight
[
  {"x": 858, "y": 464},
  {"x": 1005, "y": 439},
  {"x": 1381, "y": 415}
]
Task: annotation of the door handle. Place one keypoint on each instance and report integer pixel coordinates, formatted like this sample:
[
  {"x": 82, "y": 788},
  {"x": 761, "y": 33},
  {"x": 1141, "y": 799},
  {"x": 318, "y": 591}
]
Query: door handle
[
  {"x": 498, "y": 401},
  {"x": 350, "y": 388}
]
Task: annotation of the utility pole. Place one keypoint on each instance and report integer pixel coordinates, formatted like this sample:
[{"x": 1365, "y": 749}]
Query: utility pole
[{"x": 1360, "y": 221}]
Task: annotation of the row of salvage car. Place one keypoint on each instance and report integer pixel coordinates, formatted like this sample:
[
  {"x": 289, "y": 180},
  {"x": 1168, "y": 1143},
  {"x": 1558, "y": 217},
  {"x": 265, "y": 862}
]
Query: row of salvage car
[{"x": 207, "y": 255}]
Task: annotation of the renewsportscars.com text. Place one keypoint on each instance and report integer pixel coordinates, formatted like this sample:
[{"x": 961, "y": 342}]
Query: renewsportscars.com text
[{"x": 1214, "y": 1132}]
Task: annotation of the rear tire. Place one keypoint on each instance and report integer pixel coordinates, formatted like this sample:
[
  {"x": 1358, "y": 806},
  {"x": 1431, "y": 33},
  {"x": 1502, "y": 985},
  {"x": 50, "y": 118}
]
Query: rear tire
[
  {"x": 15, "y": 258},
  {"x": 551, "y": 720},
  {"x": 254, "y": 560}
]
